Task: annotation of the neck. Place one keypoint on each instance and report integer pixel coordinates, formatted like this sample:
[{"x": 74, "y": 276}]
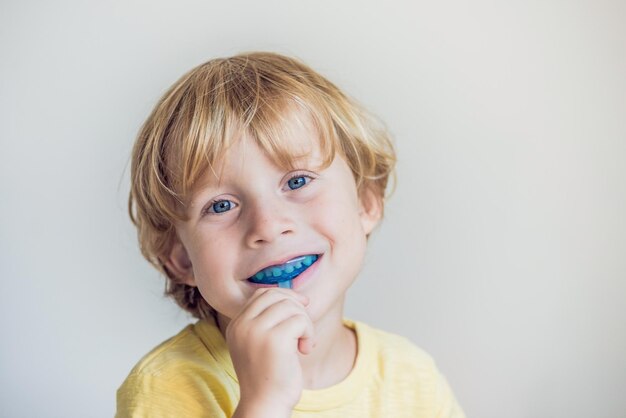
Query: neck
[{"x": 332, "y": 358}]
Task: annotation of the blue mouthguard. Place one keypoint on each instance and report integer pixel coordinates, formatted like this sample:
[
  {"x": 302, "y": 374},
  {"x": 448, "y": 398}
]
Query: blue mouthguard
[{"x": 285, "y": 273}]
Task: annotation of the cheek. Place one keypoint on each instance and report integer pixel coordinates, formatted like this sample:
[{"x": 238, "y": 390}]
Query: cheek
[
  {"x": 214, "y": 267},
  {"x": 210, "y": 257},
  {"x": 335, "y": 213}
]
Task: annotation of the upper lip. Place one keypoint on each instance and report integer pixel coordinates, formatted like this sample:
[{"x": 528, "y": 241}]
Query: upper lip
[{"x": 280, "y": 261}]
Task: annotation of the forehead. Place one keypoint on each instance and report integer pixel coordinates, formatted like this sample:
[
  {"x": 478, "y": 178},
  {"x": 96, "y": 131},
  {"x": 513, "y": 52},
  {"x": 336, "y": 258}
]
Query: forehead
[
  {"x": 246, "y": 153},
  {"x": 294, "y": 143}
]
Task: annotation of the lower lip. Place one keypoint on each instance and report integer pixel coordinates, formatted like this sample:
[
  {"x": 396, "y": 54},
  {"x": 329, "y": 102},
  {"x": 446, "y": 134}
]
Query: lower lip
[{"x": 300, "y": 280}]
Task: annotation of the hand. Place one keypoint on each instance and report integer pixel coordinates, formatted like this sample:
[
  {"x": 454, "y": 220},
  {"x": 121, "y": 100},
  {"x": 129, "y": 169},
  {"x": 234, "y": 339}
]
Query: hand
[{"x": 264, "y": 340}]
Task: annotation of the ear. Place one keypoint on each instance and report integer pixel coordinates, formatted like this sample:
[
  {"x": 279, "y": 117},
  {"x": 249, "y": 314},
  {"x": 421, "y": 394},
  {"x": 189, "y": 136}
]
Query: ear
[
  {"x": 178, "y": 264},
  {"x": 371, "y": 210}
]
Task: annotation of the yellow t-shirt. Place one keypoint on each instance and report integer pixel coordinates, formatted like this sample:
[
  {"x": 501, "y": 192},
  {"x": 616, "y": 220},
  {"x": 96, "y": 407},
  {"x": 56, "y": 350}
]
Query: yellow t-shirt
[{"x": 192, "y": 375}]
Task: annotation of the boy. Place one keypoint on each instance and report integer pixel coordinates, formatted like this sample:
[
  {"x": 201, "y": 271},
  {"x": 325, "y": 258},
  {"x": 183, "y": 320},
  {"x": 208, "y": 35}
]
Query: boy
[{"x": 255, "y": 185}]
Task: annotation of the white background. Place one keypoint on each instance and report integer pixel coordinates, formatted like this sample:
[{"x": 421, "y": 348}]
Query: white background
[{"x": 503, "y": 251}]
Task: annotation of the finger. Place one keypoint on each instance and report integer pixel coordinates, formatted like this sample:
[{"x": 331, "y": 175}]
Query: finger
[
  {"x": 300, "y": 329},
  {"x": 261, "y": 291},
  {"x": 278, "y": 312},
  {"x": 261, "y": 300}
]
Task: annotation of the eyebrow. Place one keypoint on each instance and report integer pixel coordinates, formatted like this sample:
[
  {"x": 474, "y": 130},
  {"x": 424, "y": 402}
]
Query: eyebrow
[{"x": 197, "y": 197}]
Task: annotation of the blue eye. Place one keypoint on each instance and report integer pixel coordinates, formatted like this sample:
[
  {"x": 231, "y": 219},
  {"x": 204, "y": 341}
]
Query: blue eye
[
  {"x": 297, "y": 182},
  {"x": 221, "y": 206}
]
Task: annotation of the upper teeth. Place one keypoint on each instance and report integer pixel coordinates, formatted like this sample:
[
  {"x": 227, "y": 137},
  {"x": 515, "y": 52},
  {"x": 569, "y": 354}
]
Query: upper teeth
[{"x": 286, "y": 268}]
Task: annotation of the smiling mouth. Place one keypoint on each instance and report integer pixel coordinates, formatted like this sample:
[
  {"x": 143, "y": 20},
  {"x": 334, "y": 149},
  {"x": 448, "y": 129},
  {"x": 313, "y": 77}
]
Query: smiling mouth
[{"x": 283, "y": 272}]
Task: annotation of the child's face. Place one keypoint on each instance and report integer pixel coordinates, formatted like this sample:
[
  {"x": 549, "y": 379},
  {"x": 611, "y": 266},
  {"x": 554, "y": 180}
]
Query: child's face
[{"x": 259, "y": 215}]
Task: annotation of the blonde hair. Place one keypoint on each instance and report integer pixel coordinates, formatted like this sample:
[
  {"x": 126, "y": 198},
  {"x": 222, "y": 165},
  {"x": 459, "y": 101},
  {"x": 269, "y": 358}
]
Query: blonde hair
[{"x": 210, "y": 107}]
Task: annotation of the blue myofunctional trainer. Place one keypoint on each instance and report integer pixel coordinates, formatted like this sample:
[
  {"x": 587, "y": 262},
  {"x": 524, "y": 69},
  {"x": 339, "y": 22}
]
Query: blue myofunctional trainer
[{"x": 283, "y": 274}]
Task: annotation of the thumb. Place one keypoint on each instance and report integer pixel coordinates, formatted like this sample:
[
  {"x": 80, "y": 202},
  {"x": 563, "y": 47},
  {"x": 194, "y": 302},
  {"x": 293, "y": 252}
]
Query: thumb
[{"x": 306, "y": 345}]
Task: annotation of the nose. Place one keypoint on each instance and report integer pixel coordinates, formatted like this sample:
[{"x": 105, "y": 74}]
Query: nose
[{"x": 268, "y": 220}]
